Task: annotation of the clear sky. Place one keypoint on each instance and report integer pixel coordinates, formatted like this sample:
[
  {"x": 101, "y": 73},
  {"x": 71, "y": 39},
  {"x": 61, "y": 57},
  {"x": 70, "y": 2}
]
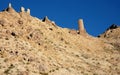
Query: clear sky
[{"x": 97, "y": 14}]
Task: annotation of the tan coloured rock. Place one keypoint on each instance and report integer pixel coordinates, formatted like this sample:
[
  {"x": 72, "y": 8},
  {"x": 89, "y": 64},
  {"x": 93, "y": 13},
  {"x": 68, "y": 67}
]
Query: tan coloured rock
[
  {"x": 29, "y": 46},
  {"x": 74, "y": 32},
  {"x": 47, "y": 21}
]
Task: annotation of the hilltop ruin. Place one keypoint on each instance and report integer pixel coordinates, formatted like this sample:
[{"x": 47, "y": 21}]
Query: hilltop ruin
[{"x": 30, "y": 46}]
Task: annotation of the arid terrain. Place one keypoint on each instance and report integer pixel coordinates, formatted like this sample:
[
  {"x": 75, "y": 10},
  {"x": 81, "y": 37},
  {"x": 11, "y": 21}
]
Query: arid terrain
[{"x": 31, "y": 46}]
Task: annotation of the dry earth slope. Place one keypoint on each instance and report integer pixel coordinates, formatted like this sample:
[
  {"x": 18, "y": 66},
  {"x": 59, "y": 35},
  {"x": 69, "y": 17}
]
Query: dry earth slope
[{"x": 29, "y": 46}]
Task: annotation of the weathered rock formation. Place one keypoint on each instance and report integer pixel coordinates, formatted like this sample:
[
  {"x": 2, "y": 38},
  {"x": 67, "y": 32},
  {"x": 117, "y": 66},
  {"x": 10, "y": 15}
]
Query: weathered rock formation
[
  {"x": 47, "y": 21},
  {"x": 112, "y": 35}
]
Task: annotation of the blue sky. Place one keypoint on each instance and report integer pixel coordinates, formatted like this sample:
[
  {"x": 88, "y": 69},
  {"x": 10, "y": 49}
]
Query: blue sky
[{"x": 97, "y": 14}]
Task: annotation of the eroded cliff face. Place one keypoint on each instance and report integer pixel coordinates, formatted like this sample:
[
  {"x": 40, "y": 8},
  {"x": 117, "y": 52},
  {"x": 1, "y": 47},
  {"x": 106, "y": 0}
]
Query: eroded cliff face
[{"x": 29, "y": 46}]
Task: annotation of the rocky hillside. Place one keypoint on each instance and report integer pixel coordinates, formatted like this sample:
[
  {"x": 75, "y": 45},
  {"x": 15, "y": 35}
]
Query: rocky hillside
[
  {"x": 112, "y": 35},
  {"x": 30, "y": 46}
]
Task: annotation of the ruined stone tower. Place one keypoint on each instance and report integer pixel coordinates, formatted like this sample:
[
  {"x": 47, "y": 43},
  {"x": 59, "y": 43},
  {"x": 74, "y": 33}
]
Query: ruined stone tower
[
  {"x": 22, "y": 9},
  {"x": 28, "y": 11},
  {"x": 10, "y": 9},
  {"x": 82, "y": 30},
  {"x": 9, "y": 6}
]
